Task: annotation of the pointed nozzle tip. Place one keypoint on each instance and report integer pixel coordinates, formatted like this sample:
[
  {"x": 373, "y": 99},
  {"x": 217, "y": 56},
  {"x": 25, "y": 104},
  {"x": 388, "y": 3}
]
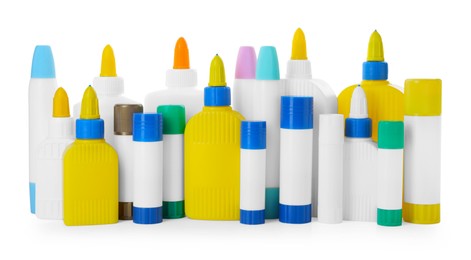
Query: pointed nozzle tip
[
  {"x": 217, "y": 74},
  {"x": 246, "y": 63},
  {"x": 375, "y": 47},
  {"x": 267, "y": 64},
  {"x": 298, "y": 49},
  {"x": 43, "y": 63},
  {"x": 60, "y": 107},
  {"x": 358, "y": 104},
  {"x": 89, "y": 109},
  {"x": 181, "y": 58},
  {"x": 108, "y": 63}
]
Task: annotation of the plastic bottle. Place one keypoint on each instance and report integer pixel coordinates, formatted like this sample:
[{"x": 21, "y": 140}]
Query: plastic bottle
[
  {"x": 296, "y": 159},
  {"x": 49, "y": 159},
  {"x": 40, "y": 93},
  {"x": 181, "y": 85},
  {"x": 244, "y": 82},
  {"x": 109, "y": 88},
  {"x": 422, "y": 149},
  {"x": 253, "y": 156},
  {"x": 385, "y": 101},
  {"x": 173, "y": 130},
  {"x": 390, "y": 172},
  {"x": 299, "y": 82},
  {"x": 212, "y": 153},
  {"x": 148, "y": 168},
  {"x": 90, "y": 170},
  {"x": 360, "y": 163},
  {"x": 123, "y": 130}
]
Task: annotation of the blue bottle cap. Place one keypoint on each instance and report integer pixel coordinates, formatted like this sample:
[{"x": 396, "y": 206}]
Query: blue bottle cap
[
  {"x": 147, "y": 127},
  {"x": 296, "y": 112},
  {"x": 217, "y": 96},
  {"x": 90, "y": 129},
  {"x": 358, "y": 127},
  {"x": 252, "y": 217},
  {"x": 253, "y": 135},
  {"x": 295, "y": 214},
  {"x": 147, "y": 215},
  {"x": 267, "y": 64},
  {"x": 375, "y": 70},
  {"x": 43, "y": 63}
]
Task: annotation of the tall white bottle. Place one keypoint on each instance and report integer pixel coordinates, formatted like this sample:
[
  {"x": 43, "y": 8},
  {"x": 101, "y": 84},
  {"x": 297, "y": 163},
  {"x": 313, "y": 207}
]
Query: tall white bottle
[
  {"x": 49, "y": 159},
  {"x": 109, "y": 88},
  {"x": 40, "y": 93},
  {"x": 299, "y": 82},
  {"x": 243, "y": 97},
  {"x": 360, "y": 163},
  {"x": 181, "y": 85}
]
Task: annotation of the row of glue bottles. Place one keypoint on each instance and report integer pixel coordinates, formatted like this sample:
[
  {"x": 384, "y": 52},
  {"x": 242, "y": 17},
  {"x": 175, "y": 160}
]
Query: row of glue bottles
[{"x": 292, "y": 160}]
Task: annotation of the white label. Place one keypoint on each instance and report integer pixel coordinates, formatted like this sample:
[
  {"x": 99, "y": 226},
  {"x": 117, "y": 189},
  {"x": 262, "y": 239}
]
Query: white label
[
  {"x": 148, "y": 173},
  {"x": 173, "y": 168},
  {"x": 422, "y": 138},
  {"x": 390, "y": 166},
  {"x": 252, "y": 179},
  {"x": 295, "y": 166},
  {"x": 124, "y": 148}
]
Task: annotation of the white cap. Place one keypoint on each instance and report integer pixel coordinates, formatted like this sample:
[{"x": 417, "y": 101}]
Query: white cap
[
  {"x": 358, "y": 104},
  {"x": 298, "y": 69},
  {"x": 180, "y": 78},
  {"x": 108, "y": 86},
  {"x": 331, "y": 128}
]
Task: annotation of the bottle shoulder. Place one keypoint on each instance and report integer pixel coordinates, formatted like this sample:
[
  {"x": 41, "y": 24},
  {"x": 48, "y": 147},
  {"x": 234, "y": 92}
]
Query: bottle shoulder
[
  {"x": 91, "y": 146},
  {"x": 213, "y": 115}
]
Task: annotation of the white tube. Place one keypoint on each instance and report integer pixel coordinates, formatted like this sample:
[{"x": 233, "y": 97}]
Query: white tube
[{"x": 331, "y": 138}]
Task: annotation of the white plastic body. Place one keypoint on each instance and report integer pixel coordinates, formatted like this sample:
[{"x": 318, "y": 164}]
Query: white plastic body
[
  {"x": 325, "y": 102},
  {"x": 360, "y": 179},
  {"x": 252, "y": 179},
  {"x": 422, "y": 148},
  {"x": 330, "y": 203},
  {"x": 148, "y": 174},
  {"x": 106, "y": 106},
  {"x": 173, "y": 168},
  {"x": 265, "y": 106},
  {"x": 390, "y": 167},
  {"x": 124, "y": 148},
  {"x": 243, "y": 97},
  {"x": 295, "y": 167},
  {"x": 40, "y": 97},
  {"x": 190, "y": 97},
  {"x": 49, "y": 196}
]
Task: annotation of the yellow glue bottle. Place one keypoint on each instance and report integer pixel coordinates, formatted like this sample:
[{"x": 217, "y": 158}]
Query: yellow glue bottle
[
  {"x": 212, "y": 153},
  {"x": 385, "y": 101},
  {"x": 90, "y": 170}
]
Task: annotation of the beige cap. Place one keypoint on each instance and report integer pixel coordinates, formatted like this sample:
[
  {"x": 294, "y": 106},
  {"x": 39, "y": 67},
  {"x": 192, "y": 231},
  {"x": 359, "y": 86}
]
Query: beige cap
[{"x": 123, "y": 114}]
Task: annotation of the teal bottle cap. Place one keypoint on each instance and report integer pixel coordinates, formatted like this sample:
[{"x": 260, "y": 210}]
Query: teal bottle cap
[
  {"x": 389, "y": 218},
  {"x": 173, "y": 119}
]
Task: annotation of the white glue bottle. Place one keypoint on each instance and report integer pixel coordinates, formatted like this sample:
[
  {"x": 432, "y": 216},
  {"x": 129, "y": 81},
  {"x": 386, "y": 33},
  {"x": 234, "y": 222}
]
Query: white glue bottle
[
  {"x": 390, "y": 172},
  {"x": 148, "y": 168},
  {"x": 244, "y": 82},
  {"x": 181, "y": 85},
  {"x": 253, "y": 156},
  {"x": 40, "y": 93},
  {"x": 299, "y": 82},
  {"x": 422, "y": 150},
  {"x": 173, "y": 118},
  {"x": 109, "y": 89},
  {"x": 123, "y": 116},
  {"x": 331, "y": 138},
  {"x": 49, "y": 159},
  {"x": 296, "y": 159},
  {"x": 360, "y": 163}
]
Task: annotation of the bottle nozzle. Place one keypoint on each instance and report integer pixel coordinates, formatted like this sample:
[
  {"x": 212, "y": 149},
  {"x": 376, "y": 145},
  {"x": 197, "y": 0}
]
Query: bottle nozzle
[
  {"x": 298, "y": 51},
  {"x": 108, "y": 63},
  {"x": 89, "y": 109},
  {"x": 181, "y": 59},
  {"x": 60, "y": 107},
  {"x": 375, "y": 48},
  {"x": 358, "y": 104},
  {"x": 217, "y": 74}
]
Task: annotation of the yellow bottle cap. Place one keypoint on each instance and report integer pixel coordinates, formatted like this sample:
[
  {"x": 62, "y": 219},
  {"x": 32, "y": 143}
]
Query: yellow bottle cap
[
  {"x": 217, "y": 74},
  {"x": 89, "y": 105},
  {"x": 375, "y": 48},
  {"x": 423, "y": 97},
  {"x": 108, "y": 63},
  {"x": 298, "y": 49},
  {"x": 60, "y": 107}
]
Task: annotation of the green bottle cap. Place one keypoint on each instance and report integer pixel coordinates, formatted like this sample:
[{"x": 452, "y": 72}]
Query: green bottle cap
[
  {"x": 391, "y": 135},
  {"x": 389, "y": 218},
  {"x": 173, "y": 209},
  {"x": 173, "y": 119}
]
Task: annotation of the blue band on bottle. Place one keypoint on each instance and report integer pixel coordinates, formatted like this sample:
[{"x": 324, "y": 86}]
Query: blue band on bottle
[
  {"x": 217, "y": 96},
  {"x": 89, "y": 129},
  {"x": 147, "y": 215},
  {"x": 253, "y": 135},
  {"x": 295, "y": 214},
  {"x": 375, "y": 70},
  {"x": 358, "y": 127},
  {"x": 252, "y": 217},
  {"x": 147, "y": 127},
  {"x": 296, "y": 112}
]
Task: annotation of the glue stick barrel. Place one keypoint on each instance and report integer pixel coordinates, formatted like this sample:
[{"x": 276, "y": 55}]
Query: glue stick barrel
[
  {"x": 390, "y": 172},
  {"x": 148, "y": 168},
  {"x": 422, "y": 147},
  {"x": 123, "y": 116},
  {"x": 331, "y": 137},
  {"x": 173, "y": 117},
  {"x": 296, "y": 159},
  {"x": 253, "y": 155}
]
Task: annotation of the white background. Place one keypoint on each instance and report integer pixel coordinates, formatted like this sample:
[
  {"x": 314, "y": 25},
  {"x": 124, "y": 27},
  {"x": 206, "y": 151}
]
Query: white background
[{"x": 421, "y": 39}]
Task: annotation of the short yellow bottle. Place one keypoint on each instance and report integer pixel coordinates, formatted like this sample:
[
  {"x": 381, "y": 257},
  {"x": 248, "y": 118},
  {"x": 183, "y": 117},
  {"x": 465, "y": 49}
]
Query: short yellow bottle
[
  {"x": 385, "y": 101},
  {"x": 212, "y": 154},
  {"x": 90, "y": 171}
]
